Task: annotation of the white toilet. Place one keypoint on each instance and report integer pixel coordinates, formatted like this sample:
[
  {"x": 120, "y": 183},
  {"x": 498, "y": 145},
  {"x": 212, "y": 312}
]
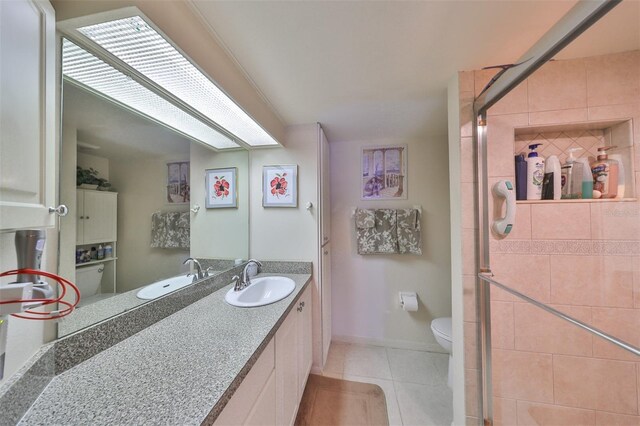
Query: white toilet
[
  {"x": 441, "y": 328},
  {"x": 88, "y": 280}
]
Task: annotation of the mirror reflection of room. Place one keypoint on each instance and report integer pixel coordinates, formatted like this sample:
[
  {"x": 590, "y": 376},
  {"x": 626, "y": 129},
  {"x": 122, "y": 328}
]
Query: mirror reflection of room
[
  {"x": 130, "y": 175},
  {"x": 130, "y": 164}
]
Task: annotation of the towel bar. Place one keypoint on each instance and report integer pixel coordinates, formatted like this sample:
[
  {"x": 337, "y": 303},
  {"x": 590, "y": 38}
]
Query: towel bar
[{"x": 353, "y": 211}]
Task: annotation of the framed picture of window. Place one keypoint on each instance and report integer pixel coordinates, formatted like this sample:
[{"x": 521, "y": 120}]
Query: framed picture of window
[
  {"x": 221, "y": 186},
  {"x": 178, "y": 186},
  {"x": 280, "y": 186},
  {"x": 384, "y": 172}
]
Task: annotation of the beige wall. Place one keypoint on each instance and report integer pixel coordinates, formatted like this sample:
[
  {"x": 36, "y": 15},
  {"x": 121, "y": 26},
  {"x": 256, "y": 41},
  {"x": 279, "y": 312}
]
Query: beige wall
[
  {"x": 365, "y": 288},
  {"x": 141, "y": 186},
  {"x": 100, "y": 164},
  {"x": 289, "y": 233},
  {"x": 580, "y": 257},
  {"x": 219, "y": 233}
]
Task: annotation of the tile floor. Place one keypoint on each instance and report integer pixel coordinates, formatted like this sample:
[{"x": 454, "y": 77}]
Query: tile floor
[{"x": 414, "y": 382}]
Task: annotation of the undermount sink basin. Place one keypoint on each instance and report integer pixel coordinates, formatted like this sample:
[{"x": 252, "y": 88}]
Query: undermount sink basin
[{"x": 262, "y": 291}]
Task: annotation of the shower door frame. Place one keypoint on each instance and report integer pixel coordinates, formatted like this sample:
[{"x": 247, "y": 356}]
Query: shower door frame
[{"x": 582, "y": 16}]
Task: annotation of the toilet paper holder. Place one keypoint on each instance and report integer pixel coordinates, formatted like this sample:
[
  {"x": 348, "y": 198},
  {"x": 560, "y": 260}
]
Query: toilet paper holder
[{"x": 408, "y": 301}]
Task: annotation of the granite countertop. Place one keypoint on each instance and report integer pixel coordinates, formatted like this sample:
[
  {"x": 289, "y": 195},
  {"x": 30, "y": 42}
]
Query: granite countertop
[
  {"x": 181, "y": 370},
  {"x": 88, "y": 315}
]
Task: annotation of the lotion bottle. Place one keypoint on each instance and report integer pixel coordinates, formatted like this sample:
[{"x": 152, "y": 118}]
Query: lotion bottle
[
  {"x": 535, "y": 173},
  {"x": 621, "y": 176},
  {"x": 605, "y": 174}
]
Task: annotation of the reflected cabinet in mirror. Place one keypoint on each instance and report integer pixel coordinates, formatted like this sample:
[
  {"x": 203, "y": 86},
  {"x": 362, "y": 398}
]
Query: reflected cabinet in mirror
[{"x": 136, "y": 196}]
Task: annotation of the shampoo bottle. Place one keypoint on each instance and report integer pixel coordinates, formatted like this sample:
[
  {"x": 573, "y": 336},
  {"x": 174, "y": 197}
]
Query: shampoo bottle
[
  {"x": 521, "y": 177},
  {"x": 535, "y": 173},
  {"x": 605, "y": 174}
]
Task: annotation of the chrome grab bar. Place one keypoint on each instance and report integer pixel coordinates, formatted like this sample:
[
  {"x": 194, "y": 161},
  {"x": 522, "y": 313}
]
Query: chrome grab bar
[{"x": 620, "y": 343}]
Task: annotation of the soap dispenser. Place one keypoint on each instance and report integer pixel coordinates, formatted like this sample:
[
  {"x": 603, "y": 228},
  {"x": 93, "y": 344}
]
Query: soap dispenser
[
  {"x": 572, "y": 174},
  {"x": 535, "y": 173},
  {"x": 605, "y": 175}
]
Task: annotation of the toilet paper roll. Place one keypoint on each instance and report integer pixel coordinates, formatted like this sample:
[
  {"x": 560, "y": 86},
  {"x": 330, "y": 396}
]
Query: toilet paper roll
[{"x": 409, "y": 301}]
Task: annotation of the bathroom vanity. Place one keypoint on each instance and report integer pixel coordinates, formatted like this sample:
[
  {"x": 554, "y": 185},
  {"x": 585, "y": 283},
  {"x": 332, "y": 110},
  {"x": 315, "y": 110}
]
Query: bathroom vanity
[{"x": 207, "y": 363}]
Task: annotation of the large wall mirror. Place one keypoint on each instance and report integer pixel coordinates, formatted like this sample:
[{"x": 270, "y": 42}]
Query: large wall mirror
[{"x": 138, "y": 205}]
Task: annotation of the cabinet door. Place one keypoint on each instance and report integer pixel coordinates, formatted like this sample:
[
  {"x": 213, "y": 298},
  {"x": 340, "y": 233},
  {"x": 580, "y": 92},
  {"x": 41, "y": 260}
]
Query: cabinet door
[
  {"x": 325, "y": 185},
  {"x": 305, "y": 340},
  {"x": 325, "y": 276},
  {"x": 100, "y": 217},
  {"x": 27, "y": 114},
  {"x": 254, "y": 402},
  {"x": 263, "y": 412},
  {"x": 79, "y": 217},
  {"x": 287, "y": 370}
]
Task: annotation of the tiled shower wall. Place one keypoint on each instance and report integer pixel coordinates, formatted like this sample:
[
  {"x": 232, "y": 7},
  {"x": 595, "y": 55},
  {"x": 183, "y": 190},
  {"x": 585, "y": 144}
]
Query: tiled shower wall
[
  {"x": 580, "y": 257},
  {"x": 558, "y": 143}
]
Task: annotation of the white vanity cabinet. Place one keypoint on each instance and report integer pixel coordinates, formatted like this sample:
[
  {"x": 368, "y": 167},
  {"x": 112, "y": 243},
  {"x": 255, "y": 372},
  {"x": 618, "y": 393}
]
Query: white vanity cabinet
[
  {"x": 270, "y": 393},
  {"x": 27, "y": 114},
  {"x": 254, "y": 402},
  {"x": 293, "y": 359},
  {"x": 305, "y": 340},
  {"x": 96, "y": 217}
]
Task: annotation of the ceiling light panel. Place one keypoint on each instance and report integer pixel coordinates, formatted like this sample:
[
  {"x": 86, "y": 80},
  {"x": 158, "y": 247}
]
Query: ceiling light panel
[
  {"x": 142, "y": 48},
  {"x": 87, "y": 70}
]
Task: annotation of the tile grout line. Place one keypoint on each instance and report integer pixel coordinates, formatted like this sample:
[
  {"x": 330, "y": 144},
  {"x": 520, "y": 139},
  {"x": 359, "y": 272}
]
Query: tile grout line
[{"x": 393, "y": 383}]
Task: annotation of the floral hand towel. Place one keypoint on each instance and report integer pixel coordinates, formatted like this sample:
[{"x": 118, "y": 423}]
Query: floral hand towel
[
  {"x": 365, "y": 218},
  {"x": 382, "y": 238},
  {"x": 409, "y": 234}
]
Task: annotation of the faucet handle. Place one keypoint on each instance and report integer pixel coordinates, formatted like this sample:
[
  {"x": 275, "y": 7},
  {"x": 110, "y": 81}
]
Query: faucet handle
[
  {"x": 237, "y": 284},
  {"x": 206, "y": 271}
]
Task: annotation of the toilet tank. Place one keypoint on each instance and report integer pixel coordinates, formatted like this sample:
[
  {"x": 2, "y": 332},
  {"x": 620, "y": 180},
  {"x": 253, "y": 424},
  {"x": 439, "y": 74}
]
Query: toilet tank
[{"x": 89, "y": 278}]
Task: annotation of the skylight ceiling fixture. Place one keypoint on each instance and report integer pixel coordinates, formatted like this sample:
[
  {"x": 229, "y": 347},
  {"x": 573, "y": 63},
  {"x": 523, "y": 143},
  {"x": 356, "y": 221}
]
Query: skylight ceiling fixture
[
  {"x": 90, "y": 72},
  {"x": 138, "y": 45}
]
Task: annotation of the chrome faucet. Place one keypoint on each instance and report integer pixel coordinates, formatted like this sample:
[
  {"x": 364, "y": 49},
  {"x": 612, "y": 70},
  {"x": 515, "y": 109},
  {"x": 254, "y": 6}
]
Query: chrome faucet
[
  {"x": 200, "y": 274},
  {"x": 244, "y": 280}
]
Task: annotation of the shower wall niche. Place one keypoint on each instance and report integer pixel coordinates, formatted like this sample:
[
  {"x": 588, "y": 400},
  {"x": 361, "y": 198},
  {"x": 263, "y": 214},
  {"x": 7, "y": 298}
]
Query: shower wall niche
[{"x": 558, "y": 139}]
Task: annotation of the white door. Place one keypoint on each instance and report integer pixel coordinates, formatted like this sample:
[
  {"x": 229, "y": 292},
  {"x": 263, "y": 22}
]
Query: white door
[
  {"x": 100, "y": 217},
  {"x": 27, "y": 114},
  {"x": 325, "y": 274},
  {"x": 79, "y": 217},
  {"x": 325, "y": 186}
]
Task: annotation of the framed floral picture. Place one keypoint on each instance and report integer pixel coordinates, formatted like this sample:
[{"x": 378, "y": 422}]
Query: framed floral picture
[
  {"x": 221, "y": 186},
  {"x": 384, "y": 172},
  {"x": 280, "y": 186}
]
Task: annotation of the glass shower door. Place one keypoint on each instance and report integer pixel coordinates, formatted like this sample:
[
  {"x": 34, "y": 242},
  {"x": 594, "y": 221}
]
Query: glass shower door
[{"x": 562, "y": 289}]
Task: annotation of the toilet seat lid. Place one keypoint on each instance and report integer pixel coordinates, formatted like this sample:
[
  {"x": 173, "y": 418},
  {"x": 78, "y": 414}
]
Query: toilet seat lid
[{"x": 442, "y": 326}]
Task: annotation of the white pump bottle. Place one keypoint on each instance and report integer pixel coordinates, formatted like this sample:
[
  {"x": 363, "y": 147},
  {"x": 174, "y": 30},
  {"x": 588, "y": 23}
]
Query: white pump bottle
[{"x": 535, "y": 173}]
